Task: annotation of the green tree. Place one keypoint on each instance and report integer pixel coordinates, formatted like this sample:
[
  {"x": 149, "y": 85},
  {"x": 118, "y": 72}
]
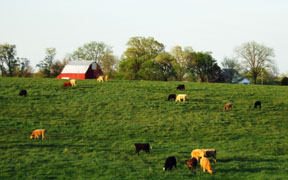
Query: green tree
[
  {"x": 46, "y": 65},
  {"x": 139, "y": 50},
  {"x": 182, "y": 57},
  {"x": 24, "y": 69},
  {"x": 232, "y": 67},
  {"x": 256, "y": 57},
  {"x": 8, "y": 61},
  {"x": 108, "y": 63},
  {"x": 165, "y": 63},
  {"x": 203, "y": 65}
]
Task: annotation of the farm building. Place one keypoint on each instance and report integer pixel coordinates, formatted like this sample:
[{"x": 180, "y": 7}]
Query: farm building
[{"x": 81, "y": 70}]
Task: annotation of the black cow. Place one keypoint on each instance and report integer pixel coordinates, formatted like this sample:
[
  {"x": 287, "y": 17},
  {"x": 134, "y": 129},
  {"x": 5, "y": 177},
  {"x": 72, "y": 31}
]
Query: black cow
[
  {"x": 169, "y": 163},
  {"x": 257, "y": 103},
  {"x": 172, "y": 96},
  {"x": 23, "y": 93},
  {"x": 144, "y": 147},
  {"x": 181, "y": 87},
  {"x": 192, "y": 163}
]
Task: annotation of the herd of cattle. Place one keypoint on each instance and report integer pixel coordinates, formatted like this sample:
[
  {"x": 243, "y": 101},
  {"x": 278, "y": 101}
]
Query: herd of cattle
[{"x": 196, "y": 154}]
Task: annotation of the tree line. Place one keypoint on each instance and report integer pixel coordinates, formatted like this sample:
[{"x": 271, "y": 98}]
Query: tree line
[{"x": 146, "y": 59}]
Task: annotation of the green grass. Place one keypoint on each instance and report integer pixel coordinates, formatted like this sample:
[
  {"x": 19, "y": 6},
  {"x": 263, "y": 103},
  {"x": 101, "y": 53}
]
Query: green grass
[{"x": 92, "y": 129}]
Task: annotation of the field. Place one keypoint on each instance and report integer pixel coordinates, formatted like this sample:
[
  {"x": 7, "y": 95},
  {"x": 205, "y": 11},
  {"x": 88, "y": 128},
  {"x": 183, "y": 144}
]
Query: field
[{"x": 91, "y": 130}]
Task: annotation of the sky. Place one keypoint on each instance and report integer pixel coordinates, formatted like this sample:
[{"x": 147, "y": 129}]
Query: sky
[{"x": 218, "y": 26}]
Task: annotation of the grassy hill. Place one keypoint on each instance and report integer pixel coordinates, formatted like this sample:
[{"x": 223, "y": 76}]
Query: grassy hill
[{"x": 92, "y": 129}]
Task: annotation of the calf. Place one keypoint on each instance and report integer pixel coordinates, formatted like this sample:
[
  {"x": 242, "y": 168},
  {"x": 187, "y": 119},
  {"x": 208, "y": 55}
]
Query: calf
[
  {"x": 205, "y": 164},
  {"x": 144, "y": 147},
  {"x": 192, "y": 163},
  {"x": 106, "y": 78},
  {"x": 38, "y": 132},
  {"x": 257, "y": 103},
  {"x": 181, "y": 87},
  {"x": 169, "y": 163},
  {"x": 227, "y": 107},
  {"x": 23, "y": 93},
  {"x": 172, "y": 96},
  {"x": 66, "y": 84}
]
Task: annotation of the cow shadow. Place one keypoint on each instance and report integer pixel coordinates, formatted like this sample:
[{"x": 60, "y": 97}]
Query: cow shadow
[
  {"x": 245, "y": 159},
  {"x": 245, "y": 170}
]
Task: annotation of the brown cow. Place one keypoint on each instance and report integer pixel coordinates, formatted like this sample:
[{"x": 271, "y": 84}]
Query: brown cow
[
  {"x": 205, "y": 164},
  {"x": 192, "y": 163},
  {"x": 38, "y": 132},
  {"x": 227, "y": 107},
  {"x": 145, "y": 147},
  {"x": 66, "y": 84}
]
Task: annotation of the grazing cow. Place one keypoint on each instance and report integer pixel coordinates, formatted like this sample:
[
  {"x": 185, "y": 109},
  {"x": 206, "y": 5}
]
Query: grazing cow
[
  {"x": 144, "y": 147},
  {"x": 38, "y": 132},
  {"x": 227, "y": 107},
  {"x": 66, "y": 84},
  {"x": 100, "y": 79},
  {"x": 197, "y": 153},
  {"x": 192, "y": 163},
  {"x": 106, "y": 78},
  {"x": 23, "y": 93},
  {"x": 181, "y": 97},
  {"x": 181, "y": 87},
  {"x": 205, "y": 164},
  {"x": 169, "y": 163},
  {"x": 172, "y": 96},
  {"x": 210, "y": 153},
  {"x": 257, "y": 103},
  {"x": 73, "y": 82}
]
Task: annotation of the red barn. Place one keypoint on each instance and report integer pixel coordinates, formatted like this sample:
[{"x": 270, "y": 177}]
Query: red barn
[{"x": 81, "y": 70}]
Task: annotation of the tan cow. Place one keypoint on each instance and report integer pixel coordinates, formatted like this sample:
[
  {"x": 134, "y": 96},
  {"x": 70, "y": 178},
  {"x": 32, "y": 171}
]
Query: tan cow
[
  {"x": 227, "y": 107},
  {"x": 106, "y": 78},
  {"x": 73, "y": 82},
  {"x": 38, "y": 132},
  {"x": 197, "y": 153},
  {"x": 100, "y": 79},
  {"x": 205, "y": 164},
  {"x": 181, "y": 97}
]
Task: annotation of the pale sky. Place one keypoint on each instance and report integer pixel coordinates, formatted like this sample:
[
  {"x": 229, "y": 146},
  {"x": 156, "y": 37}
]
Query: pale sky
[{"x": 206, "y": 25}]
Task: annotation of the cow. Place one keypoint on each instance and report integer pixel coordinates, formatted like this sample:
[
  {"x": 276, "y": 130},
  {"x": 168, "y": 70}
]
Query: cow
[
  {"x": 181, "y": 87},
  {"x": 23, "y": 93},
  {"x": 227, "y": 107},
  {"x": 145, "y": 147},
  {"x": 205, "y": 164},
  {"x": 197, "y": 153},
  {"x": 191, "y": 163},
  {"x": 66, "y": 84},
  {"x": 181, "y": 97},
  {"x": 210, "y": 153},
  {"x": 100, "y": 79},
  {"x": 38, "y": 132},
  {"x": 257, "y": 103},
  {"x": 73, "y": 82},
  {"x": 106, "y": 78},
  {"x": 172, "y": 96},
  {"x": 169, "y": 163}
]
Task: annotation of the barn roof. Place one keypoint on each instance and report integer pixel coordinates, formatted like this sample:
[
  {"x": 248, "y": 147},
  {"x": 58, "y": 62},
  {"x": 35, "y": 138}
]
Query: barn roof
[{"x": 77, "y": 67}]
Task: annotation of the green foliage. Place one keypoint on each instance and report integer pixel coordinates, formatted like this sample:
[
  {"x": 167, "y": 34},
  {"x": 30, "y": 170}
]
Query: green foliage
[
  {"x": 8, "y": 60},
  {"x": 46, "y": 65},
  {"x": 284, "y": 81},
  {"x": 91, "y": 130}
]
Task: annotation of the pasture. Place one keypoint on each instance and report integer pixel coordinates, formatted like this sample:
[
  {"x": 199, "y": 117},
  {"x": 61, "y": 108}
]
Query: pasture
[{"x": 91, "y": 130}]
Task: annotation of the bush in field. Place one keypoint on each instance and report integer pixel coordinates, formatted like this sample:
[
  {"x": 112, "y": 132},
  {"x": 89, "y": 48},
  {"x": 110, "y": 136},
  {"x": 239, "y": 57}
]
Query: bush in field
[{"x": 284, "y": 81}]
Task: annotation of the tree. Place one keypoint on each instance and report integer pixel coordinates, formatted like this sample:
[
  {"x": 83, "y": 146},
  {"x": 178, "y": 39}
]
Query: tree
[
  {"x": 24, "y": 69},
  {"x": 46, "y": 65},
  {"x": 139, "y": 50},
  {"x": 8, "y": 60},
  {"x": 231, "y": 67},
  {"x": 256, "y": 57},
  {"x": 165, "y": 65},
  {"x": 182, "y": 57},
  {"x": 92, "y": 51},
  {"x": 108, "y": 63},
  {"x": 203, "y": 65}
]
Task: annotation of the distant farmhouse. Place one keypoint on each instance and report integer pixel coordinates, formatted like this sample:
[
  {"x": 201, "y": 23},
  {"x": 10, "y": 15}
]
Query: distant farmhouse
[
  {"x": 232, "y": 76},
  {"x": 81, "y": 70}
]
